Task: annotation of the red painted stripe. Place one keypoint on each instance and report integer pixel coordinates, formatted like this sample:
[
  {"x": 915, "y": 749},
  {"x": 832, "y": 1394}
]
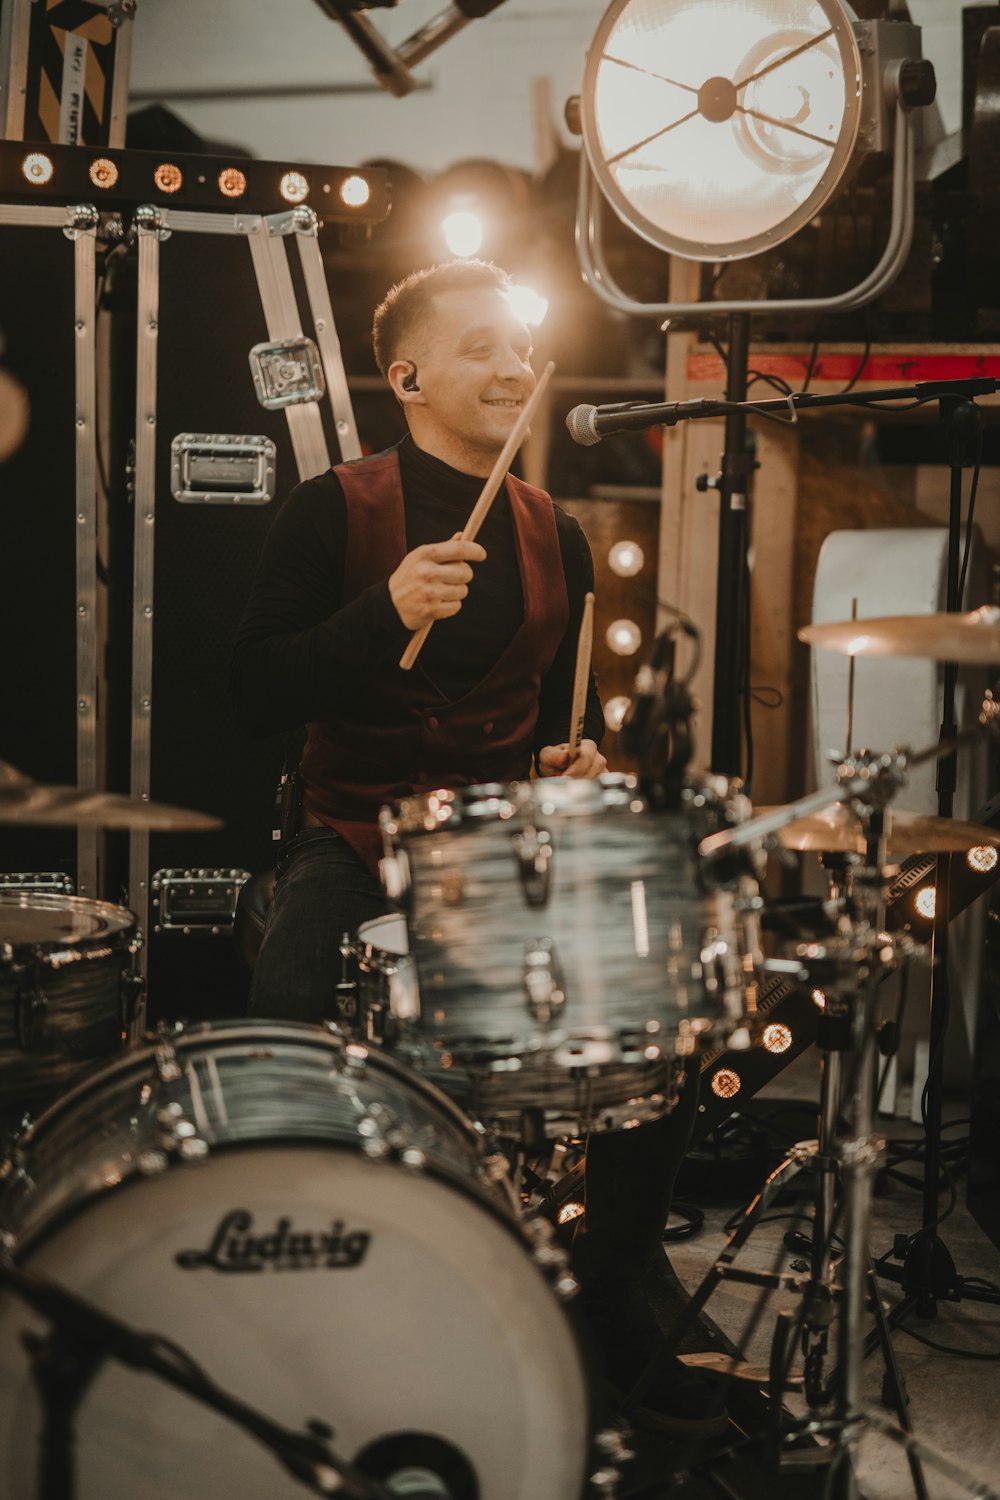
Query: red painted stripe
[{"x": 880, "y": 369}]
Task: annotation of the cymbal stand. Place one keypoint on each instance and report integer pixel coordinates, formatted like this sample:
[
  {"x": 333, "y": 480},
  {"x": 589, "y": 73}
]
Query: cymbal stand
[{"x": 859, "y": 957}]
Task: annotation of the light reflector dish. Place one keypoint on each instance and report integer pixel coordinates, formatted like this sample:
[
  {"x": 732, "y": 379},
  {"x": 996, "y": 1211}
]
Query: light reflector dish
[{"x": 717, "y": 128}]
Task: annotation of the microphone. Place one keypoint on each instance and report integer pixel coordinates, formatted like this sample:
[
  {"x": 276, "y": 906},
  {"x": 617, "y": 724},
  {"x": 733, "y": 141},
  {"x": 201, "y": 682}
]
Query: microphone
[
  {"x": 589, "y": 424},
  {"x": 648, "y": 691}
]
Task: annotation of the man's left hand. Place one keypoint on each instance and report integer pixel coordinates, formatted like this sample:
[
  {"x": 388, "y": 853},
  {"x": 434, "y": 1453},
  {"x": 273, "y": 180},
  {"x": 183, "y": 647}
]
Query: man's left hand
[{"x": 559, "y": 760}]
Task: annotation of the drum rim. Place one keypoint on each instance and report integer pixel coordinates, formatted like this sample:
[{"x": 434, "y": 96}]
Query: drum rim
[
  {"x": 117, "y": 922},
  {"x": 245, "y": 1029},
  {"x": 410, "y": 815}
]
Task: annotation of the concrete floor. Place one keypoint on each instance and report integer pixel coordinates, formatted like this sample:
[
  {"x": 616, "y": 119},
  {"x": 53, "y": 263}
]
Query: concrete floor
[{"x": 954, "y": 1402}]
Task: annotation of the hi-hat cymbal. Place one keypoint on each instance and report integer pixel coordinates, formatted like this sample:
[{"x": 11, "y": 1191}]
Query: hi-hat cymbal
[
  {"x": 836, "y": 830},
  {"x": 973, "y": 637},
  {"x": 27, "y": 802}
]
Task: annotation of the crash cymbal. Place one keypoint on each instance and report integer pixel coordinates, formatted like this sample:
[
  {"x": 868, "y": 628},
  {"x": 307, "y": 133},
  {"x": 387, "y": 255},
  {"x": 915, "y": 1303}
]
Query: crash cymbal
[
  {"x": 27, "y": 802},
  {"x": 973, "y": 637},
  {"x": 836, "y": 830}
]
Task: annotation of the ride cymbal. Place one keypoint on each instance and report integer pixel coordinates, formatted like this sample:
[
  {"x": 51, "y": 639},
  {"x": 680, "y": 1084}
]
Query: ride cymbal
[
  {"x": 970, "y": 638},
  {"x": 836, "y": 830}
]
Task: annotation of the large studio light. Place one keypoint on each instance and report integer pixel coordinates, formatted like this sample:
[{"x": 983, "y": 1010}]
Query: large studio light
[{"x": 716, "y": 129}]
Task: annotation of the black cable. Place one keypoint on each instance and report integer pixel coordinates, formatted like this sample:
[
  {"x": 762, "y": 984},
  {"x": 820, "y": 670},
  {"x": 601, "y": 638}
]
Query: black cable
[
  {"x": 969, "y": 517},
  {"x": 811, "y": 363},
  {"x": 981, "y": 1281},
  {"x": 694, "y": 1223},
  {"x": 922, "y": 1338},
  {"x": 745, "y": 693}
]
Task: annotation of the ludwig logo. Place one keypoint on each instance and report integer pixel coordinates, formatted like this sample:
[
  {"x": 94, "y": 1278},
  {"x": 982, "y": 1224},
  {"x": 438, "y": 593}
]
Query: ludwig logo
[{"x": 235, "y": 1246}]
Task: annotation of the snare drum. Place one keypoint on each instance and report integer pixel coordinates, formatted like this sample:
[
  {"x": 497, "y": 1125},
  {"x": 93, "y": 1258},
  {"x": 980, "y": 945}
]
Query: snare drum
[
  {"x": 67, "y": 990},
  {"x": 569, "y": 955},
  {"x": 322, "y": 1232}
]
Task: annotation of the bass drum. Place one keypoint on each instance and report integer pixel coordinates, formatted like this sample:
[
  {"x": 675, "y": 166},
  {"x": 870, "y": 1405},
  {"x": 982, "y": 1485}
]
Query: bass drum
[{"x": 322, "y": 1232}]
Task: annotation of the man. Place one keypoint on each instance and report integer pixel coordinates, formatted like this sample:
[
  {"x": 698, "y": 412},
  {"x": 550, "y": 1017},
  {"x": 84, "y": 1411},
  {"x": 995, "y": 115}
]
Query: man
[{"x": 357, "y": 559}]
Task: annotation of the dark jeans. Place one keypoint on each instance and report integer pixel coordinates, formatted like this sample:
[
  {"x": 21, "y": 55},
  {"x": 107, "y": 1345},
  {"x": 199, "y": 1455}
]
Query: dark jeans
[{"x": 324, "y": 890}]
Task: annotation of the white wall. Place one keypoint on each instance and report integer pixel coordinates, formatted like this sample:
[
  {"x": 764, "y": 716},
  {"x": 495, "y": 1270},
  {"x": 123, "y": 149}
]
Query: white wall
[{"x": 479, "y": 102}]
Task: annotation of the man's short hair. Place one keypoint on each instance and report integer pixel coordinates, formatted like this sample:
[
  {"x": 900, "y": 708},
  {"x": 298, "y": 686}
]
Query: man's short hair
[{"x": 410, "y": 303}]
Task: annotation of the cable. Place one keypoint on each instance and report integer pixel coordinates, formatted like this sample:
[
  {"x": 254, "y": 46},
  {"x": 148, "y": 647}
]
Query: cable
[
  {"x": 857, "y": 374},
  {"x": 694, "y": 1223},
  {"x": 922, "y": 1338},
  {"x": 745, "y": 688},
  {"x": 968, "y": 518},
  {"x": 811, "y": 363}
]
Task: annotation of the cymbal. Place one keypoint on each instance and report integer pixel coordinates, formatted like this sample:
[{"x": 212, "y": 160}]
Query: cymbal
[
  {"x": 973, "y": 637},
  {"x": 27, "y": 802},
  {"x": 836, "y": 830}
]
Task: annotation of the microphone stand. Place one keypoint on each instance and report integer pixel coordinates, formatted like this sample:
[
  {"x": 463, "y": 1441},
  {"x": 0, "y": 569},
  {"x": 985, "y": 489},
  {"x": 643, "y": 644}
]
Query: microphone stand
[
  {"x": 733, "y": 583},
  {"x": 732, "y": 483},
  {"x": 66, "y": 1360}
]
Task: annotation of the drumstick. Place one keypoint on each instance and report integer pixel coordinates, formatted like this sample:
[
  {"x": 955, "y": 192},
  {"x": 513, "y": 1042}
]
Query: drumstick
[
  {"x": 581, "y": 681},
  {"x": 486, "y": 497}
]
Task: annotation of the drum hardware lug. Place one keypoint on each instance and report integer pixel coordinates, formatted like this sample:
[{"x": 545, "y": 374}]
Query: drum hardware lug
[
  {"x": 452, "y": 887},
  {"x": 494, "y": 1168},
  {"x": 177, "y": 1133},
  {"x": 32, "y": 1018},
  {"x": 542, "y": 979},
  {"x": 151, "y": 1163},
  {"x": 612, "y": 1442},
  {"x": 605, "y": 1482},
  {"x": 355, "y": 1057},
  {"x": 394, "y": 872},
  {"x": 533, "y": 851},
  {"x": 165, "y": 1058},
  {"x": 346, "y": 1002}
]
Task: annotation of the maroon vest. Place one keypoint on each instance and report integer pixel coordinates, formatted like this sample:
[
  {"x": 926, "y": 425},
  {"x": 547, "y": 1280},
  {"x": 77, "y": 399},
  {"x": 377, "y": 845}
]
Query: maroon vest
[{"x": 395, "y": 736}]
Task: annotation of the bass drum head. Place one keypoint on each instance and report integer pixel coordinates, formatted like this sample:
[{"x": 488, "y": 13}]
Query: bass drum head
[{"x": 309, "y": 1282}]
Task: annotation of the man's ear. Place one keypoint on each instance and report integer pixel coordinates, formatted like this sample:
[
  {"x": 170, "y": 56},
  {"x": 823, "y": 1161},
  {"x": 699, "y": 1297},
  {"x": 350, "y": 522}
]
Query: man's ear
[{"x": 402, "y": 376}]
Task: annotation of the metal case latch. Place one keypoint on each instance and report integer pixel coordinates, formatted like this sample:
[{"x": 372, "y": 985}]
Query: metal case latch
[
  {"x": 286, "y": 372},
  {"x": 202, "y": 900},
  {"x": 218, "y": 468}
]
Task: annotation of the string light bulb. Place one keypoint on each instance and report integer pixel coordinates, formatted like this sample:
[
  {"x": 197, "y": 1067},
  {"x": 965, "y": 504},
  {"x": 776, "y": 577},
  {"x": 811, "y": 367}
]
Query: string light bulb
[
  {"x": 167, "y": 177},
  {"x": 925, "y": 902},
  {"x": 726, "y": 1083},
  {"x": 624, "y": 637},
  {"x": 982, "y": 858},
  {"x": 777, "y": 1037},
  {"x": 103, "y": 173},
  {"x": 294, "y": 187},
  {"x": 37, "y": 168},
  {"x": 355, "y": 192},
  {"x": 626, "y": 559}
]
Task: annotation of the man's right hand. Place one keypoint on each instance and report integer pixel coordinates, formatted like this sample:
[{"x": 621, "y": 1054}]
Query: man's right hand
[{"x": 431, "y": 581}]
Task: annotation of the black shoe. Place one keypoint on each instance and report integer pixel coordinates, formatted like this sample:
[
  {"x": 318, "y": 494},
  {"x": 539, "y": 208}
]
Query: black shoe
[{"x": 627, "y": 1336}]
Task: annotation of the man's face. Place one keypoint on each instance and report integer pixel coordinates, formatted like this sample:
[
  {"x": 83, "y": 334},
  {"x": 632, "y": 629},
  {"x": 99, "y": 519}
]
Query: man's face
[{"x": 474, "y": 372}]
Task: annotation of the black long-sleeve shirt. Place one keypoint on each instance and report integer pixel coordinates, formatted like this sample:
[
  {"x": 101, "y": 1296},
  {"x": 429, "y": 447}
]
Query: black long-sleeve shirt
[{"x": 300, "y": 648}]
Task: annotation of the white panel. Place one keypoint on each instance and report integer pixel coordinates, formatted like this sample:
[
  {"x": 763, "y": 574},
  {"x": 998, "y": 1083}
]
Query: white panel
[{"x": 896, "y": 699}]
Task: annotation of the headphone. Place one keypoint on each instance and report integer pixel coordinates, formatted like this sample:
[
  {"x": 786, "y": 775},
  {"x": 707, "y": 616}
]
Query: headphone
[{"x": 410, "y": 383}]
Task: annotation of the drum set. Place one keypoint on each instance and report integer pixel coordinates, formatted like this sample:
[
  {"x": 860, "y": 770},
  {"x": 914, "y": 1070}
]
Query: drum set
[{"x": 325, "y": 1223}]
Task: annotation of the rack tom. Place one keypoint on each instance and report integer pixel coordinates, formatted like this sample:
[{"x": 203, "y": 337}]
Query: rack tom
[{"x": 570, "y": 955}]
